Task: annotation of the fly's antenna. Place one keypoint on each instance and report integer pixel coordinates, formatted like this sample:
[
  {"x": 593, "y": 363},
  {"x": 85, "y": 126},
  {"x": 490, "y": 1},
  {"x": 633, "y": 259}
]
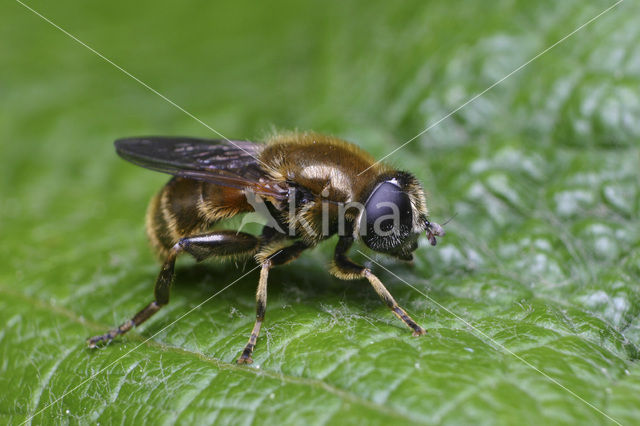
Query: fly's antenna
[{"x": 450, "y": 219}]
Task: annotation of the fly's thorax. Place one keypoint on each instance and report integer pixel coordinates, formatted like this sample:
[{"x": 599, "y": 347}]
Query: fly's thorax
[{"x": 319, "y": 163}]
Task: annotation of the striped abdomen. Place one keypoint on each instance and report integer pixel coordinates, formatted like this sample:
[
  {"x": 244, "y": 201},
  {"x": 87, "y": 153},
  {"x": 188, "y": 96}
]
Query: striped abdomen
[{"x": 186, "y": 207}]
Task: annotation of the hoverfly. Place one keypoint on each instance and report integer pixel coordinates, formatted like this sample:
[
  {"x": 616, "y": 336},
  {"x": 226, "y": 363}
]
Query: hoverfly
[{"x": 309, "y": 184}]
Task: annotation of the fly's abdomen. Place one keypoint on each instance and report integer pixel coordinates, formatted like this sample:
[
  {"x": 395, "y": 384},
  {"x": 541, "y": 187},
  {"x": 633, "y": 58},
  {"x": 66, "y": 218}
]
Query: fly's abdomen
[
  {"x": 186, "y": 207},
  {"x": 173, "y": 214}
]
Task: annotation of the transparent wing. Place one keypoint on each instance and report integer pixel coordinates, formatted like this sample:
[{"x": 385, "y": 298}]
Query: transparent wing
[{"x": 221, "y": 162}]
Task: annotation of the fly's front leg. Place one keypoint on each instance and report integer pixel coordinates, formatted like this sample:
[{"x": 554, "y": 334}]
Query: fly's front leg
[
  {"x": 280, "y": 257},
  {"x": 391, "y": 303},
  {"x": 221, "y": 243},
  {"x": 346, "y": 269}
]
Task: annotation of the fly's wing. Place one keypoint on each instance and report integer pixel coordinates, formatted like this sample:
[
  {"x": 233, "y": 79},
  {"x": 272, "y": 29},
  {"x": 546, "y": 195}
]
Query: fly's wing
[{"x": 221, "y": 162}]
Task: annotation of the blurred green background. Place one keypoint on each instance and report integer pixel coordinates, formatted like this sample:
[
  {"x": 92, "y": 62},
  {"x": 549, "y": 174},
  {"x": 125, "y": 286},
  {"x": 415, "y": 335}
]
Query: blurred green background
[{"x": 542, "y": 172}]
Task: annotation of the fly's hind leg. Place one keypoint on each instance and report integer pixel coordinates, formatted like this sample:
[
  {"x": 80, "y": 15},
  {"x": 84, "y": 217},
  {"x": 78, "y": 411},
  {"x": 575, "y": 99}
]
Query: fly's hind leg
[
  {"x": 220, "y": 243},
  {"x": 346, "y": 269}
]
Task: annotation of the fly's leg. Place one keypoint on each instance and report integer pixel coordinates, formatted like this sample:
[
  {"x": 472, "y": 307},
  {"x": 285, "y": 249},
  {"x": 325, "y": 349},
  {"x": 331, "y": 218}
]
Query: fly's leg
[
  {"x": 161, "y": 298},
  {"x": 280, "y": 257},
  {"x": 261, "y": 307},
  {"x": 220, "y": 243},
  {"x": 346, "y": 269},
  {"x": 391, "y": 303}
]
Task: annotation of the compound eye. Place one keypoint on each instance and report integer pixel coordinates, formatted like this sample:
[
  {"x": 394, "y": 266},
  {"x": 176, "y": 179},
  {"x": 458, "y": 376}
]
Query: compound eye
[{"x": 388, "y": 210}]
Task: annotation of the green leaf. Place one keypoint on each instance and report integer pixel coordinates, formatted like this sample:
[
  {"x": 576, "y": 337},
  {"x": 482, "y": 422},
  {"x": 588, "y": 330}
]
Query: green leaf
[{"x": 532, "y": 299}]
